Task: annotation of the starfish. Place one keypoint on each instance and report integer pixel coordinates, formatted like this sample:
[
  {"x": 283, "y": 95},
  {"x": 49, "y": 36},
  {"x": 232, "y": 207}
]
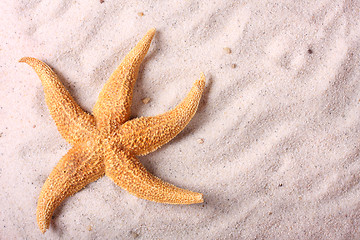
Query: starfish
[{"x": 106, "y": 142}]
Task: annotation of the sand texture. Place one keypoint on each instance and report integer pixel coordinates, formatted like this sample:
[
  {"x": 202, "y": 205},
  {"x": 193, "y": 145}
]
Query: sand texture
[{"x": 274, "y": 146}]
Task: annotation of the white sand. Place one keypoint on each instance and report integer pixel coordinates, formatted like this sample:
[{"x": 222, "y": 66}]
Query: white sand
[{"x": 281, "y": 130}]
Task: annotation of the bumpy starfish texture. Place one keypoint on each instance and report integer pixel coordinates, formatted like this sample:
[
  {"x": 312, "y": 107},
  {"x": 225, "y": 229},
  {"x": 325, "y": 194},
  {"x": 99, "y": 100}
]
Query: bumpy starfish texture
[{"x": 107, "y": 142}]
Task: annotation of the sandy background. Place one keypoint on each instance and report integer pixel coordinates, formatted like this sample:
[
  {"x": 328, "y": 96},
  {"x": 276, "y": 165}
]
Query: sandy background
[{"x": 280, "y": 116}]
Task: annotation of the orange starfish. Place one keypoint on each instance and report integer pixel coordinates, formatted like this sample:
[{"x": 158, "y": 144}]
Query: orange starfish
[{"x": 106, "y": 142}]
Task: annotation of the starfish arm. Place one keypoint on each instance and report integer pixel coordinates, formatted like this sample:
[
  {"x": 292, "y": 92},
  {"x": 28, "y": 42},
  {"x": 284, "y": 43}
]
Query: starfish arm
[
  {"x": 72, "y": 122},
  {"x": 74, "y": 171},
  {"x": 128, "y": 173},
  {"x": 114, "y": 102},
  {"x": 146, "y": 134}
]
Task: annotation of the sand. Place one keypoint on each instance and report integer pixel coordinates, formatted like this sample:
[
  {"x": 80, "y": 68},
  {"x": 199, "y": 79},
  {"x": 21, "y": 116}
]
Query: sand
[{"x": 274, "y": 146}]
